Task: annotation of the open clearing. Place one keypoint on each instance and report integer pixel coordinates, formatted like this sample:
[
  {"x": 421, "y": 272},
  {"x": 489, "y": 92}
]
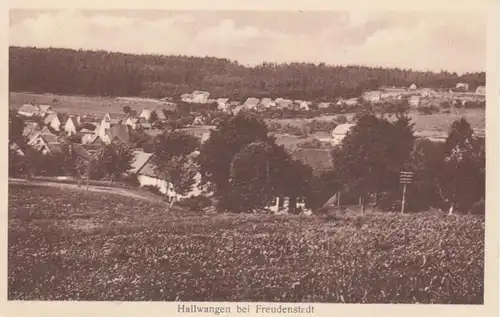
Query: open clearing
[
  {"x": 80, "y": 105},
  {"x": 68, "y": 244}
]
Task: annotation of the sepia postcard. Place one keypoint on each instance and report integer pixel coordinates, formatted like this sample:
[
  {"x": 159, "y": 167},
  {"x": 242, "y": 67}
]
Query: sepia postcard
[{"x": 298, "y": 158}]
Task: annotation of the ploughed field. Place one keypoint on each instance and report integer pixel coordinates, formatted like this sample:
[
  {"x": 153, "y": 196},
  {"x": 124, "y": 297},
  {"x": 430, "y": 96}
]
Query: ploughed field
[{"x": 67, "y": 244}]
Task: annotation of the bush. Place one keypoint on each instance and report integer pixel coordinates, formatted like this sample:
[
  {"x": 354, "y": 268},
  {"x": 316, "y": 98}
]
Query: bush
[
  {"x": 154, "y": 189},
  {"x": 132, "y": 180},
  {"x": 196, "y": 203}
]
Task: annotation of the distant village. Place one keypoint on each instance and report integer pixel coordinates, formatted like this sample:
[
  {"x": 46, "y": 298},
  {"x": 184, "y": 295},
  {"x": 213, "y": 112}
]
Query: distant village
[{"x": 46, "y": 128}]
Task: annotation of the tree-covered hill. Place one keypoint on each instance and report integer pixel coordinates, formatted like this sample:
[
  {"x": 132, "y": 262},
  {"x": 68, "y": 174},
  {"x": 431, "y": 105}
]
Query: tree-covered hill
[{"x": 66, "y": 71}]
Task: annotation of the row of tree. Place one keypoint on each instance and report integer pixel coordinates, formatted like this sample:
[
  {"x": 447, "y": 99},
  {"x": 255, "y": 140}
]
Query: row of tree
[{"x": 102, "y": 73}]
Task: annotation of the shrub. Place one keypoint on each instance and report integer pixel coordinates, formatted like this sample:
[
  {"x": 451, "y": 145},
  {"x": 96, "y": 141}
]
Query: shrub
[
  {"x": 196, "y": 203},
  {"x": 154, "y": 189},
  {"x": 132, "y": 180}
]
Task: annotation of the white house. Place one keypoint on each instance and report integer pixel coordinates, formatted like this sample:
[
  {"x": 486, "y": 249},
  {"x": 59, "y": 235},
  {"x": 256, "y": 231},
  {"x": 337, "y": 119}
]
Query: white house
[
  {"x": 351, "y": 102},
  {"x": 305, "y": 105},
  {"x": 45, "y": 142},
  {"x": 143, "y": 166},
  {"x": 200, "y": 96},
  {"x": 104, "y": 128},
  {"x": 340, "y": 131},
  {"x": 283, "y": 103},
  {"x": 28, "y": 110},
  {"x": 413, "y": 87},
  {"x": 223, "y": 104},
  {"x": 251, "y": 103},
  {"x": 414, "y": 101},
  {"x": 463, "y": 86},
  {"x": 323, "y": 105},
  {"x": 372, "y": 96},
  {"x": 267, "y": 103},
  {"x": 70, "y": 126},
  {"x": 131, "y": 122},
  {"x": 52, "y": 121},
  {"x": 198, "y": 120}
]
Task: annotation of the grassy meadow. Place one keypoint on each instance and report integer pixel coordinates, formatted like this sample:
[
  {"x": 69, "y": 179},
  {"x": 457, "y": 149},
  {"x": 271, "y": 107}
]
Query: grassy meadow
[{"x": 68, "y": 244}]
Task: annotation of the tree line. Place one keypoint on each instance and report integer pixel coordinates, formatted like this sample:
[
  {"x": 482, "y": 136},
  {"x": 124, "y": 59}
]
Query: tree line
[{"x": 66, "y": 71}]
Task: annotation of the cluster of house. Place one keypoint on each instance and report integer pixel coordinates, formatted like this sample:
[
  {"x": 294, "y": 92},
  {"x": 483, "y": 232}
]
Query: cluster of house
[
  {"x": 418, "y": 97},
  {"x": 48, "y": 132}
]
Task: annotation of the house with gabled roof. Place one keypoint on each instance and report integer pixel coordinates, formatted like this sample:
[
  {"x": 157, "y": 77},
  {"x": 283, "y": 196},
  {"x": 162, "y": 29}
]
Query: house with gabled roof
[
  {"x": 45, "y": 109},
  {"x": 144, "y": 167},
  {"x": 199, "y": 96},
  {"x": 267, "y": 103},
  {"x": 70, "y": 127},
  {"x": 251, "y": 103},
  {"x": 45, "y": 142},
  {"x": 119, "y": 132},
  {"x": 53, "y": 121},
  {"x": 283, "y": 103},
  {"x": 481, "y": 90},
  {"x": 28, "y": 110}
]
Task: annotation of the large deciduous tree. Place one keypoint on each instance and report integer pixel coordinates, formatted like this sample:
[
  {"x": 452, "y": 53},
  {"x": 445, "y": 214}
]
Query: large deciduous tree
[
  {"x": 372, "y": 154},
  {"x": 227, "y": 139},
  {"x": 462, "y": 180}
]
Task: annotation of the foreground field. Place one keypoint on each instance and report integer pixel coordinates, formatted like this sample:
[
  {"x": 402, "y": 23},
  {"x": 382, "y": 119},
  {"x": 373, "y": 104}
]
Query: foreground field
[{"x": 69, "y": 244}]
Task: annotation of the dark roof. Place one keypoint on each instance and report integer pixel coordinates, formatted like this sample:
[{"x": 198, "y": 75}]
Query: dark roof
[
  {"x": 120, "y": 132},
  {"x": 149, "y": 170},
  {"x": 318, "y": 159}
]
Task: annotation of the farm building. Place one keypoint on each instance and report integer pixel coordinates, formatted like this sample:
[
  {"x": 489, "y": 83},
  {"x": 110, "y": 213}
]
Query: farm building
[
  {"x": 143, "y": 166},
  {"x": 340, "y": 131},
  {"x": 324, "y": 105},
  {"x": 28, "y": 110},
  {"x": 413, "y": 87}
]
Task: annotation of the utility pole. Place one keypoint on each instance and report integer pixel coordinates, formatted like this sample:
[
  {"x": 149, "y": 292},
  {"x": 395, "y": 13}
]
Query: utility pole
[
  {"x": 405, "y": 178},
  {"x": 403, "y": 201}
]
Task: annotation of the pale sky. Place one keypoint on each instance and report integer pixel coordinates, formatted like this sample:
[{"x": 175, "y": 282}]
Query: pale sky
[{"x": 453, "y": 41}]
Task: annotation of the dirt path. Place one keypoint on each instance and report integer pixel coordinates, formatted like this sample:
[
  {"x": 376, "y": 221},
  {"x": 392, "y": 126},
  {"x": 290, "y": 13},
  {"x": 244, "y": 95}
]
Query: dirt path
[{"x": 83, "y": 187}]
